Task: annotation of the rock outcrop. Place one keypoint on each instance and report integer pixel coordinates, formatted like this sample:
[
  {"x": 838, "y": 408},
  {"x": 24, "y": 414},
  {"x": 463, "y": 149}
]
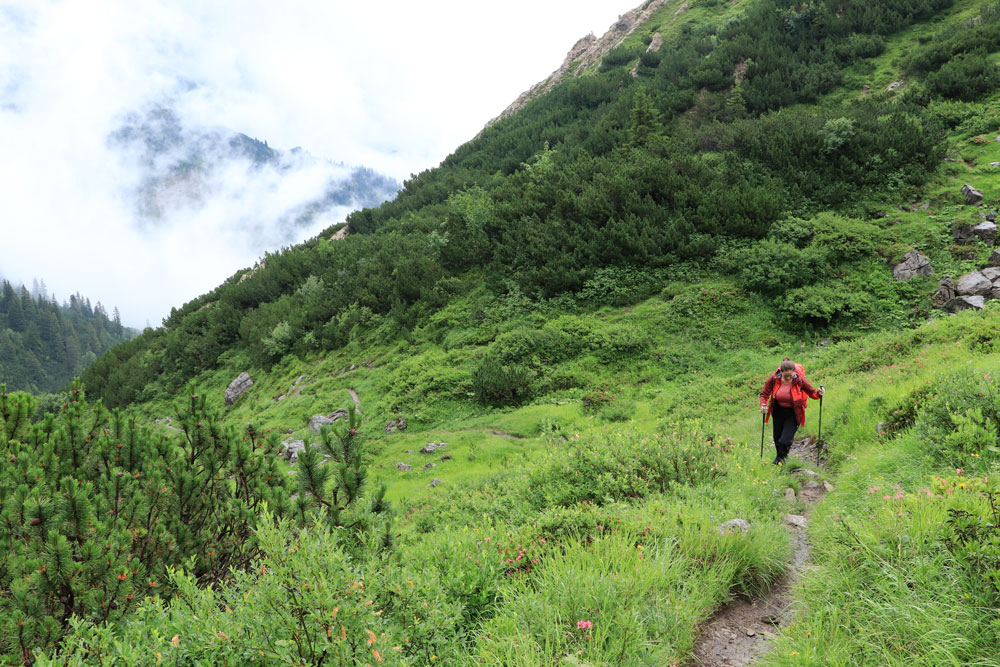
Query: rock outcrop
[
  {"x": 985, "y": 231},
  {"x": 586, "y": 53},
  {"x": 973, "y": 283},
  {"x": 237, "y": 387},
  {"x": 319, "y": 421},
  {"x": 972, "y": 195},
  {"x": 396, "y": 424},
  {"x": 290, "y": 449},
  {"x": 914, "y": 264},
  {"x": 945, "y": 292}
]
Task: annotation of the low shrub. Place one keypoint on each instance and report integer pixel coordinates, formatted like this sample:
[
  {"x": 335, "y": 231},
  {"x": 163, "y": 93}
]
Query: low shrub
[
  {"x": 620, "y": 465},
  {"x": 959, "y": 424},
  {"x": 501, "y": 384},
  {"x": 618, "y": 411}
]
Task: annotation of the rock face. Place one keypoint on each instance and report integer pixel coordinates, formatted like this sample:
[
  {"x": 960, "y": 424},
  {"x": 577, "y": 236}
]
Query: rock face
[
  {"x": 587, "y": 52},
  {"x": 237, "y": 387},
  {"x": 319, "y": 421},
  {"x": 972, "y": 195},
  {"x": 973, "y": 283},
  {"x": 733, "y": 526},
  {"x": 914, "y": 264},
  {"x": 994, "y": 258},
  {"x": 291, "y": 449}
]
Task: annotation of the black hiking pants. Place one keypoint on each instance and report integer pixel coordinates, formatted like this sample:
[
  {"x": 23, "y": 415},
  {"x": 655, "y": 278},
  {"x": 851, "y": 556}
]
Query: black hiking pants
[{"x": 784, "y": 423}]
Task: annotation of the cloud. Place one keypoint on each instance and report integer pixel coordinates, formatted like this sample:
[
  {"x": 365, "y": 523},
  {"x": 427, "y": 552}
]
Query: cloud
[{"x": 394, "y": 86}]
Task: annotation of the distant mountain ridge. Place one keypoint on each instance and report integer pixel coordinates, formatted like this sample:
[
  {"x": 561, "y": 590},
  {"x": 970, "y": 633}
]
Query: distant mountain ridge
[{"x": 183, "y": 166}]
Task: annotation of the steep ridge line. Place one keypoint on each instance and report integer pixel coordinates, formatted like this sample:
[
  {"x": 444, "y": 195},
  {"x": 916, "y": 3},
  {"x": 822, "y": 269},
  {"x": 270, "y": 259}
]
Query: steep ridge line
[
  {"x": 587, "y": 52},
  {"x": 739, "y": 633}
]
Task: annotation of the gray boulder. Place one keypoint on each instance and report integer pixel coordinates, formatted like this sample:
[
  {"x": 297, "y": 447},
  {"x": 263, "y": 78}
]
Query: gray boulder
[
  {"x": 994, "y": 259},
  {"x": 992, "y": 273},
  {"x": 734, "y": 525},
  {"x": 973, "y": 283},
  {"x": 428, "y": 466},
  {"x": 397, "y": 424},
  {"x": 960, "y": 303},
  {"x": 432, "y": 447},
  {"x": 435, "y": 482},
  {"x": 972, "y": 195},
  {"x": 237, "y": 387},
  {"x": 945, "y": 292},
  {"x": 985, "y": 231},
  {"x": 796, "y": 520},
  {"x": 291, "y": 449},
  {"x": 316, "y": 422},
  {"x": 405, "y": 467},
  {"x": 914, "y": 264}
]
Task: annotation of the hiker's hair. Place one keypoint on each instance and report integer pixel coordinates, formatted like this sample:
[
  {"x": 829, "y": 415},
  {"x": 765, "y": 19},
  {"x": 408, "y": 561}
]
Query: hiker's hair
[
  {"x": 787, "y": 365},
  {"x": 787, "y": 359}
]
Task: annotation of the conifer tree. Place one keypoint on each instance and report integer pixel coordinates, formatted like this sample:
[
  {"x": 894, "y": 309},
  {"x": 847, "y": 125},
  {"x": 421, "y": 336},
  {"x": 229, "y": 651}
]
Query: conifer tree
[
  {"x": 645, "y": 118},
  {"x": 95, "y": 508}
]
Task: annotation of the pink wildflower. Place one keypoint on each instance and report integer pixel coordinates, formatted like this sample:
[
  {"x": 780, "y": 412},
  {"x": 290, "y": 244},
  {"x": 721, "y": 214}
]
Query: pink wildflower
[{"x": 584, "y": 625}]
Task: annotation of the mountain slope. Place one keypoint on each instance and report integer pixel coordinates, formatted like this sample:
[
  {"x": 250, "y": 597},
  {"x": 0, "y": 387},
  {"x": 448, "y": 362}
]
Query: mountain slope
[{"x": 582, "y": 303}]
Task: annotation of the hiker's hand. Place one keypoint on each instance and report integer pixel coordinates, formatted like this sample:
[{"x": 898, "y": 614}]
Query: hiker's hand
[
  {"x": 821, "y": 391},
  {"x": 763, "y": 409}
]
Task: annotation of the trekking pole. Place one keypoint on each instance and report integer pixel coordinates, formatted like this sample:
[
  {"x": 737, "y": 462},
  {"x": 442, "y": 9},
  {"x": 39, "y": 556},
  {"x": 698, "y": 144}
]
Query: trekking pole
[
  {"x": 762, "y": 419},
  {"x": 819, "y": 438}
]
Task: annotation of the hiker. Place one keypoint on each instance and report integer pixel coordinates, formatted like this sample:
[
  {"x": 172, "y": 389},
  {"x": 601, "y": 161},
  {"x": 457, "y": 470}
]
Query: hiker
[{"x": 784, "y": 398}]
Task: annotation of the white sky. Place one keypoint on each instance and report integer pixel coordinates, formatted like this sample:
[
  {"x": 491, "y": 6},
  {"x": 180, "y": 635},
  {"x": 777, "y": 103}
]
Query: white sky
[{"x": 392, "y": 85}]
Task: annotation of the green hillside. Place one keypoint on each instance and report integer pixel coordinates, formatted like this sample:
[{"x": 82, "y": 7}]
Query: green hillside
[{"x": 582, "y": 303}]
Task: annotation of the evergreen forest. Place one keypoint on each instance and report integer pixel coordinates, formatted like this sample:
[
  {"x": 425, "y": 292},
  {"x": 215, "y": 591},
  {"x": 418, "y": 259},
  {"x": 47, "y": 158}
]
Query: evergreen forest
[{"x": 44, "y": 344}]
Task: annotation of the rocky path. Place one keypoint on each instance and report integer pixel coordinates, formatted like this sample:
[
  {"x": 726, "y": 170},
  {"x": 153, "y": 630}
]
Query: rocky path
[{"x": 741, "y": 631}]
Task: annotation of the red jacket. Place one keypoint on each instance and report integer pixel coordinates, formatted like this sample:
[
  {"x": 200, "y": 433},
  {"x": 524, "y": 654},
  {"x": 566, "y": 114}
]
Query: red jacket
[
  {"x": 801, "y": 372},
  {"x": 800, "y": 389}
]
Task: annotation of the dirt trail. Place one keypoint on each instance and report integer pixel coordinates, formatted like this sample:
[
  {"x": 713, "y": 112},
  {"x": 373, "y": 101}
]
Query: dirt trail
[
  {"x": 357, "y": 401},
  {"x": 741, "y": 631}
]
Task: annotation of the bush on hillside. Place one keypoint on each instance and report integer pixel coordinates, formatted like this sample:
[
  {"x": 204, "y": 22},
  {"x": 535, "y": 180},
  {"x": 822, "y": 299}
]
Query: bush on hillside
[
  {"x": 620, "y": 465},
  {"x": 307, "y": 602},
  {"x": 620, "y": 286},
  {"x": 960, "y": 424},
  {"x": 96, "y": 510},
  {"x": 496, "y": 383},
  {"x": 965, "y": 77}
]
